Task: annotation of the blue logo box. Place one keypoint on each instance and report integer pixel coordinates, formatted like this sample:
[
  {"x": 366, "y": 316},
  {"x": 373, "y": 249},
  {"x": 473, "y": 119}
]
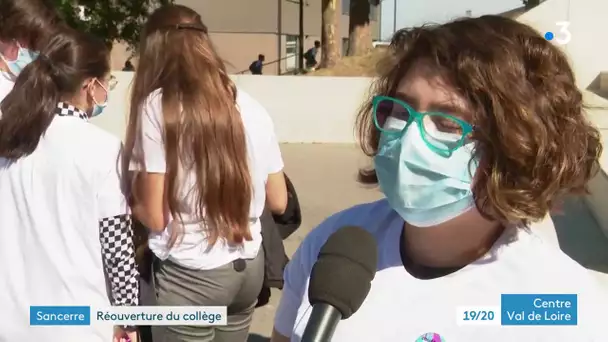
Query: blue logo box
[
  {"x": 539, "y": 309},
  {"x": 60, "y": 315}
]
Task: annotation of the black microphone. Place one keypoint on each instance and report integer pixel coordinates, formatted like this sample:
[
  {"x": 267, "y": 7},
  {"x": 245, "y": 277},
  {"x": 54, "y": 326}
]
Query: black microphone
[{"x": 340, "y": 280}]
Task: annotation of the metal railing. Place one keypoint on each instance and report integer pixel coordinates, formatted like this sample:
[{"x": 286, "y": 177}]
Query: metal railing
[{"x": 293, "y": 71}]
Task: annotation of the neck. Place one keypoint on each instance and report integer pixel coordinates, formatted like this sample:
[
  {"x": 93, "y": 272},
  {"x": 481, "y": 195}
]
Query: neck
[
  {"x": 77, "y": 102},
  {"x": 455, "y": 243}
]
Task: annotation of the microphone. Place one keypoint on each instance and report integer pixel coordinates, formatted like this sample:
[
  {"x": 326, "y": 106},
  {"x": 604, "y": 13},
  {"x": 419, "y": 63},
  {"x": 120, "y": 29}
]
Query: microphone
[{"x": 340, "y": 280}]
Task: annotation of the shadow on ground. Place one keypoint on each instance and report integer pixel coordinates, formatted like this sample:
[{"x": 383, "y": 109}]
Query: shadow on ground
[
  {"x": 257, "y": 338},
  {"x": 580, "y": 237},
  {"x": 596, "y": 86}
]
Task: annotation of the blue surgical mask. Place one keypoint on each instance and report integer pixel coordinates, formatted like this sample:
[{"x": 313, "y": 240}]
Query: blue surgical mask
[
  {"x": 422, "y": 186},
  {"x": 99, "y": 107},
  {"x": 24, "y": 57}
]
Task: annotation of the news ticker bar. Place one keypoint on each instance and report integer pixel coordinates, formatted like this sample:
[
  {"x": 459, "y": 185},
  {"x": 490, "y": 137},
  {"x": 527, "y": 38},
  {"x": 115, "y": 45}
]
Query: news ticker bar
[
  {"x": 123, "y": 315},
  {"x": 514, "y": 309},
  {"x": 524, "y": 310}
]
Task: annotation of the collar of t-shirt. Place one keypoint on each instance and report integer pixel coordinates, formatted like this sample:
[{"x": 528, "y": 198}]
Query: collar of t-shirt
[
  {"x": 62, "y": 109},
  {"x": 66, "y": 109},
  {"x": 426, "y": 272},
  {"x": 421, "y": 271}
]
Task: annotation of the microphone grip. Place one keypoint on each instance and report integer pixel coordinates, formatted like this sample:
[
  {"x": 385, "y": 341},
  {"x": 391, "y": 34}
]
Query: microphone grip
[{"x": 322, "y": 323}]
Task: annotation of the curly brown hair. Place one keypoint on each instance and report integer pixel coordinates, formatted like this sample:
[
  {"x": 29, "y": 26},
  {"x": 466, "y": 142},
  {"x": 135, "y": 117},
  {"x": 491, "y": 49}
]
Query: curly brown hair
[{"x": 533, "y": 140}]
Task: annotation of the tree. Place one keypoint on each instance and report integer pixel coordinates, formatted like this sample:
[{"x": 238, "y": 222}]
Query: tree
[
  {"x": 359, "y": 29},
  {"x": 329, "y": 36},
  {"x": 111, "y": 20}
]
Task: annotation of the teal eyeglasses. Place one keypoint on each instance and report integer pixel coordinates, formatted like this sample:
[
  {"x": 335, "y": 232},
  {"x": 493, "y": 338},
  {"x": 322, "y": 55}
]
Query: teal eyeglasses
[{"x": 442, "y": 133}]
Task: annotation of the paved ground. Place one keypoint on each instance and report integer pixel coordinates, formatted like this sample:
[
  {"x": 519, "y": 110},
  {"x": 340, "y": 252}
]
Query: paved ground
[{"x": 325, "y": 178}]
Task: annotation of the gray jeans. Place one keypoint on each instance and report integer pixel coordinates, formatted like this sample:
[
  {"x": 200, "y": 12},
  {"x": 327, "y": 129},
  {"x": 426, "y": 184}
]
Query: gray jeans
[{"x": 235, "y": 285}]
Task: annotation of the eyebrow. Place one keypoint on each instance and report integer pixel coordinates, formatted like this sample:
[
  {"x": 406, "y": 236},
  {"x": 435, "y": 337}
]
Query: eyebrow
[{"x": 444, "y": 107}]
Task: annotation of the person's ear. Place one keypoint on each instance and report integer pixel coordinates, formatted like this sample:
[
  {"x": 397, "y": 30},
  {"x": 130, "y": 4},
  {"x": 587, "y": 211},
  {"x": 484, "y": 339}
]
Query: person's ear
[
  {"x": 86, "y": 91},
  {"x": 87, "y": 84}
]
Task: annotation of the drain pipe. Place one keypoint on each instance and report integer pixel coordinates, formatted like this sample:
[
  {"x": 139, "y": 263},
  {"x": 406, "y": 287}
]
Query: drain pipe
[
  {"x": 302, "y": 37},
  {"x": 279, "y": 35}
]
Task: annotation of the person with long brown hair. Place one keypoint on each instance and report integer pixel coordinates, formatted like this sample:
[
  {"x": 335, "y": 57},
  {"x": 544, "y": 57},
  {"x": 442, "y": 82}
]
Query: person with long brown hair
[
  {"x": 477, "y": 131},
  {"x": 26, "y": 28},
  {"x": 64, "y": 218},
  {"x": 204, "y": 162}
]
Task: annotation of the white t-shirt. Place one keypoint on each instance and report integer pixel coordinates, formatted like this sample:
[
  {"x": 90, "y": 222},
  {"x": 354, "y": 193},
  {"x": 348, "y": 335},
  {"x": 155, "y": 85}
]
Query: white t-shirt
[
  {"x": 264, "y": 159},
  {"x": 400, "y": 307},
  {"x": 51, "y": 205},
  {"x": 6, "y": 85}
]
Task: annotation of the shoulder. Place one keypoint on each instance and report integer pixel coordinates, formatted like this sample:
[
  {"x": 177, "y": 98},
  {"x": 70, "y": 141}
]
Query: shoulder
[
  {"x": 6, "y": 85},
  {"x": 249, "y": 106},
  {"x": 88, "y": 147},
  {"x": 547, "y": 263},
  {"x": 103, "y": 147},
  {"x": 555, "y": 272},
  {"x": 372, "y": 217},
  {"x": 153, "y": 104},
  {"x": 252, "y": 111},
  {"x": 154, "y": 98},
  {"x": 92, "y": 140}
]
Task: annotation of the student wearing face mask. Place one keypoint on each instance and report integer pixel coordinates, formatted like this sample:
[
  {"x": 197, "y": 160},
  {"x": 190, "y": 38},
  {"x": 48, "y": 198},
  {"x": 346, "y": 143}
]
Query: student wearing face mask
[
  {"x": 65, "y": 223},
  {"x": 473, "y": 145},
  {"x": 26, "y": 27}
]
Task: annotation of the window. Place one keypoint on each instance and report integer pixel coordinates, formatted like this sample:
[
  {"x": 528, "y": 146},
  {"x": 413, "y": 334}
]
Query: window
[
  {"x": 344, "y": 46},
  {"x": 291, "y": 52},
  {"x": 345, "y": 7},
  {"x": 373, "y": 10}
]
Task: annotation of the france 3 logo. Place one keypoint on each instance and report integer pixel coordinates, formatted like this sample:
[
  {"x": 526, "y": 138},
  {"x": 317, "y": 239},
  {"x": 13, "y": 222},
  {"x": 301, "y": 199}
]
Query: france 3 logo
[{"x": 562, "y": 36}]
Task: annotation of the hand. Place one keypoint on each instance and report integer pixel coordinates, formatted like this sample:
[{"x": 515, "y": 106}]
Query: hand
[{"x": 121, "y": 335}]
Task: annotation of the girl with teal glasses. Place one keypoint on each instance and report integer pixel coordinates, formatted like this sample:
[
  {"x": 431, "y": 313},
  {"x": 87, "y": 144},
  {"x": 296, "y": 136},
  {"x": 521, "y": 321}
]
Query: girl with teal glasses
[{"x": 476, "y": 131}]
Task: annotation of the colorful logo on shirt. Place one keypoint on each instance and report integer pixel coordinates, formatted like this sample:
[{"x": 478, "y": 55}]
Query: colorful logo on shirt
[{"x": 430, "y": 337}]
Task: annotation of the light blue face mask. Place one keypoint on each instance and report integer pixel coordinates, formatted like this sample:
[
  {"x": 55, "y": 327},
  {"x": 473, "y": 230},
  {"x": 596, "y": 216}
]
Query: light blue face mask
[
  {"x": 425, "y": 187},
  {"x": 99, "y": 107},
  {"x": 24, "y": 57}
]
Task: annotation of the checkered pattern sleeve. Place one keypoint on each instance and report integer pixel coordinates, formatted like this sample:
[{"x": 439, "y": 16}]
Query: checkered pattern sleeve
[{"x": 116, "y": 237}]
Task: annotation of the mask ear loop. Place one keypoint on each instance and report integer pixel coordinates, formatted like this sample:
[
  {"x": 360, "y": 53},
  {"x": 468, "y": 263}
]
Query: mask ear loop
[{"x": 102, "y": 87}]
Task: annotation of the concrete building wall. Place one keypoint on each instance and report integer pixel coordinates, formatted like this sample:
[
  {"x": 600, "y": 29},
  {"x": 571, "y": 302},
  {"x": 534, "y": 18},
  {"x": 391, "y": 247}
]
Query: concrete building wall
[
  {"x": 237, "y": 16},
  {"x": 242, "y": 29},
  {"x": 238, "y": 50}
]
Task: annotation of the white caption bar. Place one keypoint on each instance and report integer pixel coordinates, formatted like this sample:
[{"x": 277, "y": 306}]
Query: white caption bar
[
  {"x": 478, "y": 315},
  {"x": 160, "y": 315}
]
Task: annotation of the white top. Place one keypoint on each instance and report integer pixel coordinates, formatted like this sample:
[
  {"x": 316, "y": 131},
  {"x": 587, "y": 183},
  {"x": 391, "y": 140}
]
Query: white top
[
  {"x": 264, "y": 159},
  {"x": 53, "y": 205},
  {"x": 401, "y": 307},
  {"x": 6, "y": 85}
]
